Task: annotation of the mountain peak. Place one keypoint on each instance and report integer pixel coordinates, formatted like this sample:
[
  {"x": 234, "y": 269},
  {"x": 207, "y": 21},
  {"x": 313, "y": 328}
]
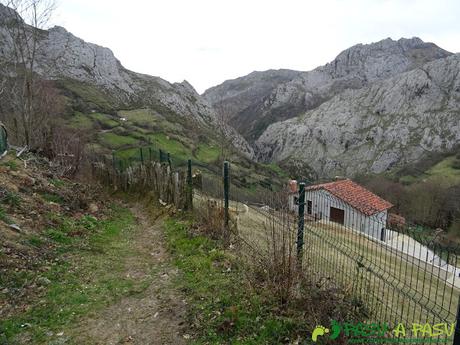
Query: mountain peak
[
  {"x": 261, "y": 98},
  {"x": 383, "y": 59},
  {"x": 187, "y": 87},
  {"x": 7, "y": 13}
]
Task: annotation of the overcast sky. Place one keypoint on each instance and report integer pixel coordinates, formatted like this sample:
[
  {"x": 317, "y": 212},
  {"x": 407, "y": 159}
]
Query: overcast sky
[{"x": 209, "y": 41}]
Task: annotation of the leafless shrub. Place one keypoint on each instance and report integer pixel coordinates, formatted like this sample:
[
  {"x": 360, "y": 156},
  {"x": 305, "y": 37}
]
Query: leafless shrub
[
  {"x": 27, "y": 102},
  {"x": 275, "y": 267},
  {"x": 66, "y": 150},
  {"x": 210, "y": 215}
]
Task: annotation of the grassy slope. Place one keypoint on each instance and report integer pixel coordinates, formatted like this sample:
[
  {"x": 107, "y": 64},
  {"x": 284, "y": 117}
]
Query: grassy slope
[
  {"x": 54, "y": 269},
  {"x": 436, "y": 167},
  {"x": 157, "y": 127},
  {"x": 333, "y": 251},
  {"x": 223, "y": 310},
  {"x": 67, "y": 296},
  {"x": 445, "y": 170},
  {"x": 150, "y": 130}
]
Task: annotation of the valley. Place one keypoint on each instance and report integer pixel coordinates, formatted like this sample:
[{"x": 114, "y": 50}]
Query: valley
[{"x": 135, "y": 210}]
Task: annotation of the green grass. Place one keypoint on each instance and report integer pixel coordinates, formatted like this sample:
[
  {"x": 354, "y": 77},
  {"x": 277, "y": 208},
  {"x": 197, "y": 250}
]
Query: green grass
[
  {"x": 57, "y": 182},
  {"x": 79, "y": 280},
  {"x": 152, "y": 120},
  {"x": 333, "y": 251},
  {"x": 12, "y": 164},
  {"x": 436, "y": 167},
  {"x": 50, "y": 197},
  {"x": 168, "y": 144},
  {"x": 35, "y": 241},
  {"x": 89, "y": 93},
  {"x": 446, "y": 170},
  {"x": 105, "y": 120},
  {"x": 3, "y": 216},
  {"x": 207, "y": 153},
  {"x": 139, "y": 117},
  {"x": 129, "y": 153},
  {"x": 81, "y": 121},
  {"x": 276, "y": 169},
  {"x": 115, "y": 141},
  {"x": 11, "y": 199},
  {"x": 408, "y": 179},
  {"x": 227, "y": 311}
]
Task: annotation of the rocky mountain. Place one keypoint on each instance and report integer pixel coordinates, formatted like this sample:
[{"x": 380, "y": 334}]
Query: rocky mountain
[
  {"x": 374, "y": 107},
  {"x": 390, "y": 122},
  {"x": 234, "y": 97},
  {"x": 65, "y": 58},
  {"x": 255, "y": 101}
]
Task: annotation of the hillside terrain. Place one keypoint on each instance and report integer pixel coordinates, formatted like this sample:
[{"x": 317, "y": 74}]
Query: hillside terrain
[
  {"x": 117, "y": 111},
  {"x": 261, "y": 98},
  {"x": 375, "y": 107},
  {"x": 388, "y": 124},
  {"x": 58, "y": 239},
  {"x": 94, "y": 80},
  {"x": 108, "y": 235}
]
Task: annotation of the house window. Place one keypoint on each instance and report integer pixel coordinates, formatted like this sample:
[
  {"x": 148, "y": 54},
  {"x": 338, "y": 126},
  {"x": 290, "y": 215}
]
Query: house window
[{"x": 309, "y": 206}]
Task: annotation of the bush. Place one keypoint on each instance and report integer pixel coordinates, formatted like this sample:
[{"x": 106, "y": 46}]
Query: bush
[
  {"x": 11, "y": 199},
  {"x": 455, "y": 227},
  {"x": 456, "y": 163},
  {"x": 3, "y": 216}
]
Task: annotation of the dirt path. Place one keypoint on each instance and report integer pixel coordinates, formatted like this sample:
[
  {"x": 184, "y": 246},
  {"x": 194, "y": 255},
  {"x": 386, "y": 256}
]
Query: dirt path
[{"x": 155, "y": 316}]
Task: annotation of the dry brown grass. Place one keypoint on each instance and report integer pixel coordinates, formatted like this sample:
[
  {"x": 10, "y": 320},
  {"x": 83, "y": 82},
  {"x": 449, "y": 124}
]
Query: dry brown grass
[{"x": 385, "y": 283}]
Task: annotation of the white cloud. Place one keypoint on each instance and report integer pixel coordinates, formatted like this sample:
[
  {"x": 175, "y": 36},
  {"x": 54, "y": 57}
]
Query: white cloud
[{"x": 208, "y": 41}]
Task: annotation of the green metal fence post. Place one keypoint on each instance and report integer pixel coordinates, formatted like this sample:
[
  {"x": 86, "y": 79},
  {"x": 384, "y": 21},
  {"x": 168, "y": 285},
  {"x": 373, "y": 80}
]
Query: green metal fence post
[
  {"x": 150, "y": 154},
  {"x": 161, "y": 155},
  {"x": 142, "y": 155},
  {"x": 226, "y": 193},
  {"x": 168, "y": 156},
  {"x": 189, "y": 204},
  {"x": 301, "y": 223}
]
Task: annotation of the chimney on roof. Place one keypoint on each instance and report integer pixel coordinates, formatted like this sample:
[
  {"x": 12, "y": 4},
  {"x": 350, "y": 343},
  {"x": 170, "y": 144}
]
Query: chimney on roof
[{"x": 292, "y": 186}]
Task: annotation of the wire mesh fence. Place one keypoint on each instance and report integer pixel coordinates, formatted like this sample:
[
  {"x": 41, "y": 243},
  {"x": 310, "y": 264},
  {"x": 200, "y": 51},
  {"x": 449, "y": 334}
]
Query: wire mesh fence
[{"x": 393, "y": 273}]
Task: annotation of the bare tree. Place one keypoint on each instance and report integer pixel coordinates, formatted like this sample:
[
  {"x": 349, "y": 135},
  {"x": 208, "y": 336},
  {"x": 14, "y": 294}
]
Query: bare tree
[
  {"x": 223, "y": 119},
  {"x": 24, "y": 92}
]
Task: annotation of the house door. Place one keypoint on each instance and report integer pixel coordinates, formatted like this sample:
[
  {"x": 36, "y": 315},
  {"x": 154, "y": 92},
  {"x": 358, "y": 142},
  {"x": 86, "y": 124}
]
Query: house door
[
  {"x": 337, "y": 215},
  {"x": 309, "y": 206}
]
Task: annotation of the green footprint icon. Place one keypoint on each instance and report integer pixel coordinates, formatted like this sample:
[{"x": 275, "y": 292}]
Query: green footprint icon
[
  {"x": 335, "y": 330},
  {"x": 319, "y": 330}
]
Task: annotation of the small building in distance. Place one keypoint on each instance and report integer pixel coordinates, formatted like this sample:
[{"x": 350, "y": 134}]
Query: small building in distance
[{"x": 349, "y": 204}]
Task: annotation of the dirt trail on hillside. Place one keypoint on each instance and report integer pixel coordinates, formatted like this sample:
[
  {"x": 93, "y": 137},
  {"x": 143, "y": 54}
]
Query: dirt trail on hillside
[{"x": 155, "y": 316}]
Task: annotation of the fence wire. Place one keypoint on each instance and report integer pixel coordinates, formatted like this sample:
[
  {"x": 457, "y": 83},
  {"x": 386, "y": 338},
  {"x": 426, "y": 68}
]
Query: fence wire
[{"x": 394, "y": 273}]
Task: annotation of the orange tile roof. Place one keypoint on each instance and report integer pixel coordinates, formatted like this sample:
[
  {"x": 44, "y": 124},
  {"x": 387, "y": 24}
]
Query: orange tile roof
[{"x": 355, "y": 195}]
